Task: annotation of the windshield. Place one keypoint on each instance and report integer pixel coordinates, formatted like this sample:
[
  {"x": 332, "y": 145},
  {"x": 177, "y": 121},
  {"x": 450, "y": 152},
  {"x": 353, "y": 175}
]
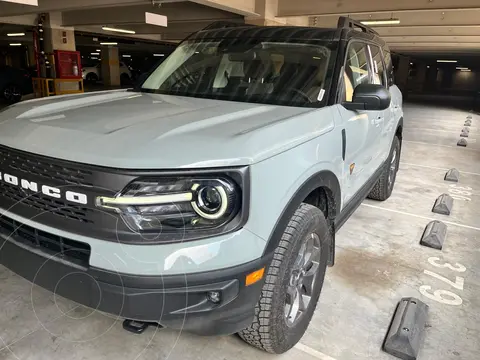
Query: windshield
[{"x": 253, "y": 70}]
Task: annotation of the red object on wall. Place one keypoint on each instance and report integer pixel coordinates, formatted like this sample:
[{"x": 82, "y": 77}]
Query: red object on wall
[{"x": 68, "y": 64}]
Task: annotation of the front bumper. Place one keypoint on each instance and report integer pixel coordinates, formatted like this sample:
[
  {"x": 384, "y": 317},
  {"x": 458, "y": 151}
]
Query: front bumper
[{"x": 174, "y": 301}]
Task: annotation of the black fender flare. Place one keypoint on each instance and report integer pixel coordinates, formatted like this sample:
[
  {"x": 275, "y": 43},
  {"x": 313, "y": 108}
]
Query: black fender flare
[
  {"x": 324, "y": 178},
  {"x": 399, "y": 126}
]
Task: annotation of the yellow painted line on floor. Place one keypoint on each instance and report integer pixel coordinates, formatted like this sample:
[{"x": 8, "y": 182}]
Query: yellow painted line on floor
[
  {"x": 437, "y": 168},
  {"x": 422, "y": 217},
  {"x": 308, "y": 350}
]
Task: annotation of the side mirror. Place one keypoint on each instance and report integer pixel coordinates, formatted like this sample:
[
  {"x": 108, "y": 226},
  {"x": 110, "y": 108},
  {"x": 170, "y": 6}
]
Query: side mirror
[{"x": 369, "y": 97}]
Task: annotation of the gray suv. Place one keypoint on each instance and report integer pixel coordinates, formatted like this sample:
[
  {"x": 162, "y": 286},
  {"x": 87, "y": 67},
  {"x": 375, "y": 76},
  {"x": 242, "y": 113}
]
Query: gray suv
[{"x": 207, "y": 199}]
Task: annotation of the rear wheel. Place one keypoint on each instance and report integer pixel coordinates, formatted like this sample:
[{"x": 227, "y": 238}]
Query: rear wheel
[
  {"x": 12, "y": 93},
  {"x": 385, "y": 183},
  {"x": 91, "y": 77},
  {"x": 293, "y": 283}
]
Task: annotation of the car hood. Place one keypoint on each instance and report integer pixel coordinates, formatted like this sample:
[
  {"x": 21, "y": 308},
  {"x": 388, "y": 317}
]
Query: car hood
[{"x": 126, "y": 129}]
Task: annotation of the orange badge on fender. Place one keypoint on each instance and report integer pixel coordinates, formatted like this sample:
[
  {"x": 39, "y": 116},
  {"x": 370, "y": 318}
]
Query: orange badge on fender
[{"x": 352, "y": 166}]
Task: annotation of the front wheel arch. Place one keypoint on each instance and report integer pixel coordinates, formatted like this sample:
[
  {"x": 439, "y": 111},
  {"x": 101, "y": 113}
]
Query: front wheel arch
[{"x": 324, "y": 179}]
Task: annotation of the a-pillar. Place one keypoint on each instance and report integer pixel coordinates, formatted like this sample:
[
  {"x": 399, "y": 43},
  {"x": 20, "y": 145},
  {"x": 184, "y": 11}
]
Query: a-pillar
[
  {"x": 420, "y": 77},
  {"x": 110, "y": 66},
  {"x": 402, "y": 72}
]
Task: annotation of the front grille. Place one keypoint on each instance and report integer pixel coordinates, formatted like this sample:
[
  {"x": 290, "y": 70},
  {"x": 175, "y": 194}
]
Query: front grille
[
  {"x": 58, "y": 246},
  {"x": 35, "y": 166},
  {"x": 45, "y": 203}
]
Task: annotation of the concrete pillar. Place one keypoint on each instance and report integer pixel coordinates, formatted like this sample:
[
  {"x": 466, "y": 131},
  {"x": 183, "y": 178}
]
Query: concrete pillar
[
  {"x": 268, "y": 9},
  {"x": 110, "y": 66},
  {"x": 431, "y": 83},
  {"x": 447, "y": 80},
  {"x": 56, "y": 36},
  {"x": 401, "y": 73},
  {"x": 420, "y": 77}
]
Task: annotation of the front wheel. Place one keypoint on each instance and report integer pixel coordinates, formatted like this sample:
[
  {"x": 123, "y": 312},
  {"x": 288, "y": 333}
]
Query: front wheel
[
  {"x": 384, "y": 186},
  {"x": 293, "y": 283}
]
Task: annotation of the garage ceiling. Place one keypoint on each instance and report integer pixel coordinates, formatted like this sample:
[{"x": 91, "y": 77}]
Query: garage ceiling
[
  {"x": 425, "y": 26},
  {"x": 440, "y": 26}
]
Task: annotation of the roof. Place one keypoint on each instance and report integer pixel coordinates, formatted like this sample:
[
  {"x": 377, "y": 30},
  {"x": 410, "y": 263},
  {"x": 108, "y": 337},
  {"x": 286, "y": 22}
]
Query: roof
[
  {"x": 269, "y": 32},
  {"x": 292, "y": 33}
]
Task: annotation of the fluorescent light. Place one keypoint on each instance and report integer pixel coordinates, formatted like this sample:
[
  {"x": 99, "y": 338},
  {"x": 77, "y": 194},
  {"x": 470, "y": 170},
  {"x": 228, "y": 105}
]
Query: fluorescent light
[
  {"x": 108, "y": 43},
  {"x": 465, "y": 70},
  {"x": 15, "y": 44},
  {"x": 94, "y": 58},
  {"x": 462, "y": 68},
  {"x": 98, "y": 50},
  {"x": 381, "y": 22},
  {"x": 158, "y": 55},
  {"x": 127, "y": 56},
  {"x": 106, "y": 28},
  {"x": 447, "y": 61},
  {"x": 95, "y": 53},
  {"x": 16, "y": 34}
]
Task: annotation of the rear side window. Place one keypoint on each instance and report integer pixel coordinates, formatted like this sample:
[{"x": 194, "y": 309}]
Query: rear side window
[
  {"x": 388, "y": 67},
  {"x": 378, "y": 67}
]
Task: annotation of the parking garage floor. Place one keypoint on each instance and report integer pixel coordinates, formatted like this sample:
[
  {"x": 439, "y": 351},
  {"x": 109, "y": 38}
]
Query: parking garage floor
[{"x": 379, "y": 261}]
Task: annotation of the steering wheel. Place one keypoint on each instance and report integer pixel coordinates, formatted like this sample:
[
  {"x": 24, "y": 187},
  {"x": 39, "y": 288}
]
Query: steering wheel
[{"x": 302, "y": 94}]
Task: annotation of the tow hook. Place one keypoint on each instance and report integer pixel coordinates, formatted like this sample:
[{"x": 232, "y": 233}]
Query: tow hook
[{"x": 137, "y": 327}]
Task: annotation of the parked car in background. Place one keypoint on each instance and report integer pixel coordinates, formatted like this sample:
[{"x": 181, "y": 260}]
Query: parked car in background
[
  {"x": 14, "y": 83},
  {"x": 94, "y": 73}
]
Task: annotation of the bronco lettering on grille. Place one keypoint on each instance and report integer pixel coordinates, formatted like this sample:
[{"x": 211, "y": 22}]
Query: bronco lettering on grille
[{"x": 51, "y": 191}]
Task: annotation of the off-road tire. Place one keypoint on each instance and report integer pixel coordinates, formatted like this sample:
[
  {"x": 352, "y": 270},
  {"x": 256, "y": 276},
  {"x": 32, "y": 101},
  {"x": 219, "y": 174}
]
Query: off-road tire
[
  {"x": 382, "y": 189},
  {"x": 269, "y": 330}
]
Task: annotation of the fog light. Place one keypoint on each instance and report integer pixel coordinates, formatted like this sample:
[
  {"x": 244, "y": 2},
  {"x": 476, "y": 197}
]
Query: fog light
[{"x": 214, "y": 296}]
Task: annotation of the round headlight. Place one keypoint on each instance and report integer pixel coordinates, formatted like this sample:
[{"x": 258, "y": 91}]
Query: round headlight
[{"x": 211, "y": 201}]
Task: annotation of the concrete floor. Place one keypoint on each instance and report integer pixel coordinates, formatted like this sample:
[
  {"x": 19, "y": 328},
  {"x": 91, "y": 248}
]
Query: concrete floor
[{"x": 379, "y": 261}]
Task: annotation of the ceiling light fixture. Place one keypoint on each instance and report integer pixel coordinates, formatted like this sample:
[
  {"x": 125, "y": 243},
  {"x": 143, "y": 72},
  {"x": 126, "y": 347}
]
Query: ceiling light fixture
[
  {"x": 108, "y": 43},
  {"x": 159, "y": 55},
  {"x": 462, "y": 68},
  {"x": 16, "y": 34},
  {"x": 95, "y": 53},
  {"x": 15, "y": 44},
  {"x": 381, "y": 22},
  {"x": 106, "y": 28},
  {"x": 98, "y": 50},
  {"x": 465, "y": 70},
  {"x": 447, "y": 61},
  {"x": 127, "y": 56}
]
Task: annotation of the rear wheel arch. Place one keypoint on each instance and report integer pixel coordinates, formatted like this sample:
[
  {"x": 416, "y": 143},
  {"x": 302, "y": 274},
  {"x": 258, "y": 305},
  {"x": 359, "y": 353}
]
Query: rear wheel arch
[{"x": 321, "y": 190}]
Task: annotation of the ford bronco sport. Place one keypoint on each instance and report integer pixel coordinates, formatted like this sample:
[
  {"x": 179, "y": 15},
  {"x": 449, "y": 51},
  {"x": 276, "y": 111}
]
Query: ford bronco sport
[{"x": 207, "y": 199}]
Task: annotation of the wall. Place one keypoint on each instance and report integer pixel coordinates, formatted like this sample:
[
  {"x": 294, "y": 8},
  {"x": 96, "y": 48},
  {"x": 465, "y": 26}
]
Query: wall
[{"x": 466, "y": 80}]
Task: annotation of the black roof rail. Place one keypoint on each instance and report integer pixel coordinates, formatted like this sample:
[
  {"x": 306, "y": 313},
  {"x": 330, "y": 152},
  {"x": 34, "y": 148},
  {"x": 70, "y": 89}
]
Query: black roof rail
[
  {"x": 348, "y": 23},
  {"x": 224, "y": 24}
]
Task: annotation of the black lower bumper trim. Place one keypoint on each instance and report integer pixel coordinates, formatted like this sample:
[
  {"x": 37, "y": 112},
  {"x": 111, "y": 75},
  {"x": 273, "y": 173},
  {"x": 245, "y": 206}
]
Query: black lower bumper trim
[{"x": 174, "y": 301}]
